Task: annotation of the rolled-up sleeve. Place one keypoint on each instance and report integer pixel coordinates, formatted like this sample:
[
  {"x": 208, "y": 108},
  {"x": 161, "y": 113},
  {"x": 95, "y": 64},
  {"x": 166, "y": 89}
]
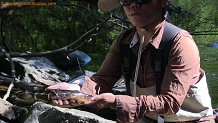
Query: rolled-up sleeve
[{"x": 183, "y": 68}]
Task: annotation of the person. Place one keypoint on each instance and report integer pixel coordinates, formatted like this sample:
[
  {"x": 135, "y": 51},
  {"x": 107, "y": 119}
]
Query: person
[{"x": 184, "y": 95}]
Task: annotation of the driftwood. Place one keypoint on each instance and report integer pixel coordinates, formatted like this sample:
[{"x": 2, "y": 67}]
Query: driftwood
[
  {"x": 22, "y": 97},
  {"x": 32, "y": 87},
  {"x": 44, "y": 81},
  {"x": 10, "y": 111}
]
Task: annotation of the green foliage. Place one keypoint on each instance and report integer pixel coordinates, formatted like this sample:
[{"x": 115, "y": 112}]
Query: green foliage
[
  {"x": 96, "y": 62},
  {"x": 41, "y": 28},
  {"x": 209, "y": 62}
]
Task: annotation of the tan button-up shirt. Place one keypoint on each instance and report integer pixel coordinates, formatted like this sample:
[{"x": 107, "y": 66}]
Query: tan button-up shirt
[{"x": 182, "y": 70}]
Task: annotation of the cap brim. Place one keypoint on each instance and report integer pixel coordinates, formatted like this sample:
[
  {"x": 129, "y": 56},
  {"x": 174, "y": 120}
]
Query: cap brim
[{"x": 108, "y": 5}]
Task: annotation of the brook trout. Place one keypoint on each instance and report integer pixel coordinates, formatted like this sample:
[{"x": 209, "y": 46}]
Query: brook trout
[{"x": 70, "y": 95}]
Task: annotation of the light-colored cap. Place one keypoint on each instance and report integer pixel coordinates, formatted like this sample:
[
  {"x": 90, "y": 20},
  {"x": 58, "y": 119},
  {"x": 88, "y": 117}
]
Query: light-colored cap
[{"x": 108, "y": 5}]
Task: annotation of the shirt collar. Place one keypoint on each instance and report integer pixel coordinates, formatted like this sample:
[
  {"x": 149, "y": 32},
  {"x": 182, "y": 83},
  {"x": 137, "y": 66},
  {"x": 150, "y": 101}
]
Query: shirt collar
[
  {"x": 135, "y": 39},
  {"x": 156, "y": 38}
]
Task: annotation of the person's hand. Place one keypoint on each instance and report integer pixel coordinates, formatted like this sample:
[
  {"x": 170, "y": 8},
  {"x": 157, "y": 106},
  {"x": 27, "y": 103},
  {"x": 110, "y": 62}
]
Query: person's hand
[
  {"x": 208, "y": 119},
  {"x": 102, "y": 101},
  {"x": 64, "y": 86}
]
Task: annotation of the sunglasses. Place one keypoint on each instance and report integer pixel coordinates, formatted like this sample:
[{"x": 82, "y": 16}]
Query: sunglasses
[{"x": 129, "y": 2}]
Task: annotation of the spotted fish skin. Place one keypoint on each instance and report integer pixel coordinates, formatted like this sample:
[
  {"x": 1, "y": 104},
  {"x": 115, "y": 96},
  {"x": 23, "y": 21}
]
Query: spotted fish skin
[{"x": 70, "y": 95}]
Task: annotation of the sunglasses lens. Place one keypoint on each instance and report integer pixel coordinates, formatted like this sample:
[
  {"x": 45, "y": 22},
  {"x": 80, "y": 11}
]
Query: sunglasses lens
[
  {"x": 129, "y": 2},
  {"x": 125, "y": 2},
  {"x": 143, "y": 1}
]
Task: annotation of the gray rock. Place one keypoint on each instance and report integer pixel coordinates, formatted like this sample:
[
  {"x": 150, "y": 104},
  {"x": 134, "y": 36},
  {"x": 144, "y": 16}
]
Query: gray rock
[
  {"x": 42, "y": 67},
  {"x": 45, "y": 113}
]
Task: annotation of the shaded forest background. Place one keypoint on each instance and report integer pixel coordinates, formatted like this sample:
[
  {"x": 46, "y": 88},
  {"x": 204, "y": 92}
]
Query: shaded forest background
[{"x": 50, "y": 30}]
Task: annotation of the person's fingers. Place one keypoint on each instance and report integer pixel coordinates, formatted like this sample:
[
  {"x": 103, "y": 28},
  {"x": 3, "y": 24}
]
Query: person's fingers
[
  {"x": 55, "y": 101},
  {"x": 60, "y": 102},
  {"x": 63, "y": 102},
  {"x": 66, "y": 102}
]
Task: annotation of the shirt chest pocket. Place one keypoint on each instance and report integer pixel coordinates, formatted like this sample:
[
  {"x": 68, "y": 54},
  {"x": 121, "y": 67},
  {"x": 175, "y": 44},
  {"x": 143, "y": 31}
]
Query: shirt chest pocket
[{"x": 145, "y": 78}]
